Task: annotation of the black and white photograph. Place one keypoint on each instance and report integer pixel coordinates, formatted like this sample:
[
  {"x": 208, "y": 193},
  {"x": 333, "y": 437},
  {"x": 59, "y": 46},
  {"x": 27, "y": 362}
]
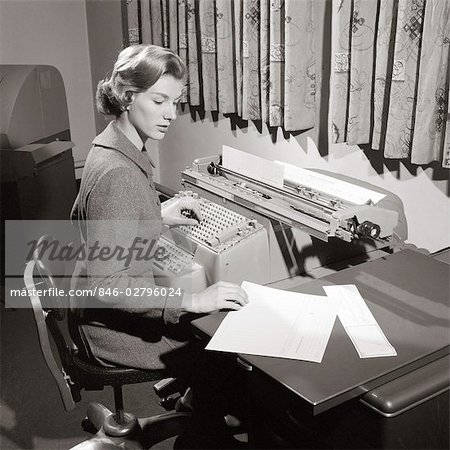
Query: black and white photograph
[{"x": 225, "y": 224}]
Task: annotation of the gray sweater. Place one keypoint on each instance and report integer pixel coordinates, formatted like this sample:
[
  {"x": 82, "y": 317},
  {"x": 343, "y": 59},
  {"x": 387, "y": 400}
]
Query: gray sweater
[{"x": 131, "y": 324}]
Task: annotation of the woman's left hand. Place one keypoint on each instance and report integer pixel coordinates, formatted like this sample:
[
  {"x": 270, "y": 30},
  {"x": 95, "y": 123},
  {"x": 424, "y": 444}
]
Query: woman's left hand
[{"x": 181, "y": 211}]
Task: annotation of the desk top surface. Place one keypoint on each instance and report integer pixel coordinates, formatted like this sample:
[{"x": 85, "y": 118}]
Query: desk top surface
[{"x": 407, "y": 292}]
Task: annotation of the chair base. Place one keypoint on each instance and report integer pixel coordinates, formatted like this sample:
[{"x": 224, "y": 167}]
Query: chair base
[{"x": 136, "y": 433}]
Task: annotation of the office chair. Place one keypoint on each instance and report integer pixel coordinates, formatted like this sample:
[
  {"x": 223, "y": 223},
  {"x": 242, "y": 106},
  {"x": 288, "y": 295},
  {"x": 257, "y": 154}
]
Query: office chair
[{"x": 77, "y": 372}]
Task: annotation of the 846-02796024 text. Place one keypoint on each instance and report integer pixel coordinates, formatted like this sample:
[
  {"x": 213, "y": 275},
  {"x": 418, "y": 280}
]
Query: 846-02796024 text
[{"x": 101, "y": 292}]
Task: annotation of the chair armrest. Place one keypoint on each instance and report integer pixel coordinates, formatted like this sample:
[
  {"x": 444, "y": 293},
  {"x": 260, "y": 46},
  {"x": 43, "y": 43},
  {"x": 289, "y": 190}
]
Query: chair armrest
[{"x": 168, "y": 386}]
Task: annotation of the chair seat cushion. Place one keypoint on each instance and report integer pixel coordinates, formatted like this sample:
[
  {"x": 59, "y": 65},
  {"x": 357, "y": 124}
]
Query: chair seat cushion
[{"x": 89, "y": 374}]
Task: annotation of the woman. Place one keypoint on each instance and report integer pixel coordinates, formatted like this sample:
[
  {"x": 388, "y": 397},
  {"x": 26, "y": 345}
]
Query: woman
[{"x": 126, "y": 321}]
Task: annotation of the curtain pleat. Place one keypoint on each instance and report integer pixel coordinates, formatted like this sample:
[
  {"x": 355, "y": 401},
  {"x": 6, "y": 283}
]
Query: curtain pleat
[
  {"x": 156, "y": 22},
  {"x": 225, "y": 57},
  {"x": 146, "y": 30},
  {"x": 383, "y": 69},
  {"x": 276, "y": 49},
  {"x": 182, "y": 43},
  {"x": 192, "y": 63},
  {"x": 265, "y": 58},
  {"x": 238, "y": 46},
  {"x": 300, "y": 76},
  {"x": 172, "y": 15},
  {"x": 208, "y": 55},
  {"x": 165, "y": 23},
  {"x": 340, "y": 69},
  {"x": 361, "y": 71},
  {"x": 251, "y": 106},
  {"x": 133, "y": 22},
  {"x": 400, "y": 118},
  {"x": 446, "y": 153},
  {"x": 432, "y": 105}
]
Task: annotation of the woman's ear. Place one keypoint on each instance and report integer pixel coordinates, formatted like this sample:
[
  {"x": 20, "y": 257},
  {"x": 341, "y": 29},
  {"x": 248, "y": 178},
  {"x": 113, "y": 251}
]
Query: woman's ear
[{"x": 130, "y": 96}]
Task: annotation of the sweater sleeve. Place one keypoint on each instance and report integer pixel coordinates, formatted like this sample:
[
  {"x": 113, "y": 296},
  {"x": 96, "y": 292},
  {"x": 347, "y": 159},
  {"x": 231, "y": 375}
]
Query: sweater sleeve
[{"x": 120, "y": 246}]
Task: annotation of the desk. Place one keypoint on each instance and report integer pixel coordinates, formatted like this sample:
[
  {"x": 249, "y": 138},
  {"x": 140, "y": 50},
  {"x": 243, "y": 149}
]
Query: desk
[{"x": 407, "y": 292}]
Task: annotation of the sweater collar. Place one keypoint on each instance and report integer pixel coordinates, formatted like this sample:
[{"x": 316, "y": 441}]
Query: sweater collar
[{"x": 112, "y": 137}]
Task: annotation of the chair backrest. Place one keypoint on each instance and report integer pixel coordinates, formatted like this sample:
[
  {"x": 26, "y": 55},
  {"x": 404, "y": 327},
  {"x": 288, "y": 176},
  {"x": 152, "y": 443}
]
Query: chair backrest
[
  {"x": 48, "y": 317},
  {"x": 71, "y": 368}
]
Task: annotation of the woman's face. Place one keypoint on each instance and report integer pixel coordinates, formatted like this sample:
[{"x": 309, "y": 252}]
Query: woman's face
[{"x": 152, "y": 111}]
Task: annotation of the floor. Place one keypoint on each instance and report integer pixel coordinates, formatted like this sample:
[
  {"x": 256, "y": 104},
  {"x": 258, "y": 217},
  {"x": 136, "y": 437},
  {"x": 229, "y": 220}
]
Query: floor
[{"x": 32, "y": 415}]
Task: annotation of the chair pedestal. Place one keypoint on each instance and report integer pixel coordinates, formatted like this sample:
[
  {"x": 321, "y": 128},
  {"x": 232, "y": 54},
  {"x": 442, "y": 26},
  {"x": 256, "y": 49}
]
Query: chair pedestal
[{"x": 137, "y": 434}]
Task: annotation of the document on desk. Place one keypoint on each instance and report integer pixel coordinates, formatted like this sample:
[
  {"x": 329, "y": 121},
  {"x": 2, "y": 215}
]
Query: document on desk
[
  {"x": 278, "y": 323},
  {"x": 359, "y": 323}
]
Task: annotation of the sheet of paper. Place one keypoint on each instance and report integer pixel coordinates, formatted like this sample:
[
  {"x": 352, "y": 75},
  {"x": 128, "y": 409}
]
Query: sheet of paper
[
  {"x": 359, "y": 323},
  {"x": 330, "y": 185},
  {"x": 278, "y": 323},
  {"x": 253, "y": 166}
]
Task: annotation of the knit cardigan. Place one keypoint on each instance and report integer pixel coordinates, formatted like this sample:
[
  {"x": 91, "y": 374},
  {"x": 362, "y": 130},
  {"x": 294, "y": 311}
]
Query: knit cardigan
[{"x": 124, "y": 320}]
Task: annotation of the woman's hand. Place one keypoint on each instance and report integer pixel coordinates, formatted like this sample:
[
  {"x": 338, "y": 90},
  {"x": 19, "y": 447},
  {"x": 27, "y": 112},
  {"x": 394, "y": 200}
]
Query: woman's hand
[
  {"x": 221, "y": 295},
  {"x": 173, "y": 211}
]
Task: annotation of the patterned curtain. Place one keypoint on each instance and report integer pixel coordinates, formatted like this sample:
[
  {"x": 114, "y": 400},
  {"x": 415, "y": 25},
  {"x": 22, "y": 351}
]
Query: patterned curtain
[
  {"x": 390, "y": 79},
  {"x": 446, "y": 158},
  {"x": 254, "y": 58}
]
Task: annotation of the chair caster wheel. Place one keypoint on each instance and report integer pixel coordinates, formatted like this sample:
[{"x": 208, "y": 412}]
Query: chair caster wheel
[
  {"x": 88, "y": 426},
  {"x": 169, "y": 402}
]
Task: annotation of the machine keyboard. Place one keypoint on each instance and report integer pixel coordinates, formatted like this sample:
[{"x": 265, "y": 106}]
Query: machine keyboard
[
  {"x": 216, "y": 220},
  {"x": 177, "y": 258}
]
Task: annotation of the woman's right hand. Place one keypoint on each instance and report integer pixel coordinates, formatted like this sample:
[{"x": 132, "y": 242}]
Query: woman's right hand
[{"x": 221, "y": 295}]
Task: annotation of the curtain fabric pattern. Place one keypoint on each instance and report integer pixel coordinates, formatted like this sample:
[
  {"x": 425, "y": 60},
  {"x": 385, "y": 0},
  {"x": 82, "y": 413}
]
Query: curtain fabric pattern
[
  {"x": 250, "y": 57},
  {"x": 400, "y": 117},
  {"x": 341, "y": 68},
  {"x": 361, "y": 70},
  {"x": 182, "y": 40},
  {"x": 276, "y": 62},
  {"x": 133, "y": 14},
  {"x": 300, "y": 76},
  {"x": 432, "y": 98},
  {"x": 264, "y": 61},
  {"x": 192, "y": 55},
  {"x": 208, "y": 47},
  {"x": 225, "y": 59},
  {"x": 446, "y": 158},
  {"x": 251, "y": 109},
  {"x": 390, "y": 76},
  {"x": 385, "y": 33}
]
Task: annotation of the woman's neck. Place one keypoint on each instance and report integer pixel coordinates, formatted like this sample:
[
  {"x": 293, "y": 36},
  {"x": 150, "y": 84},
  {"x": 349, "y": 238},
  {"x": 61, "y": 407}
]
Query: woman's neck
[{"x": 130, "y": 131}]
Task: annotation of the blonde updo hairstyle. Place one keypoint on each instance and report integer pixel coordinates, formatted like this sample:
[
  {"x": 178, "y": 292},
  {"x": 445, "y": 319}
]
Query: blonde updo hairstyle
[{"x": 138, "y": 67}]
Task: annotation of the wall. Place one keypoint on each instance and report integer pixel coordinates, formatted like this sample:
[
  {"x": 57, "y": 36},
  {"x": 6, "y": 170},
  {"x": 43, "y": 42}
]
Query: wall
[
  {"x": 424, "y": 191},
  {"x": 81, "y": 38},
  {"x": 54, "y": 33},
  {"x": 104, "y": 25}
]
